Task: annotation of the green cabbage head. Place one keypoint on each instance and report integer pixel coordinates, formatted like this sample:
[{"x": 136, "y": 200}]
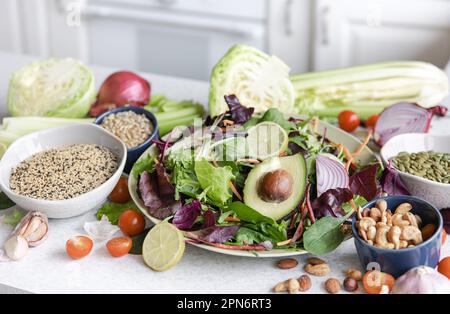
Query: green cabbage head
[{"x": 52, "y": 88}]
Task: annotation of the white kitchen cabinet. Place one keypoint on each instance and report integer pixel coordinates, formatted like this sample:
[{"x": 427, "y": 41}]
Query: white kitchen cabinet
[{"x": 349, "y": 32}]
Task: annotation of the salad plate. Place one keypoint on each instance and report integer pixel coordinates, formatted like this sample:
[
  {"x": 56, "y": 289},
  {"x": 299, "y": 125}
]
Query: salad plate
[{"x": 333, "y": 134}]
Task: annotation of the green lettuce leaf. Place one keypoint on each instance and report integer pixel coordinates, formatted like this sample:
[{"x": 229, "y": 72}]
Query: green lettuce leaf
[
  {"x": 114, "y": 210},
  {"x": 215, "y": 179}
]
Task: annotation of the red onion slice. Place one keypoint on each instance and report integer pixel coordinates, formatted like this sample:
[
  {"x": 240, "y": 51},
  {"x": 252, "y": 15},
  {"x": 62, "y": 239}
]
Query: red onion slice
[
  {"x": 404, "y": 118},
  {"x": 330, "y": 174}
]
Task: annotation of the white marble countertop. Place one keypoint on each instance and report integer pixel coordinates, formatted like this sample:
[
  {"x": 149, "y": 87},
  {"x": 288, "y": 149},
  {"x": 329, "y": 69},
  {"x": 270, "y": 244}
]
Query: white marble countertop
[{"x": 47, "y": 269}]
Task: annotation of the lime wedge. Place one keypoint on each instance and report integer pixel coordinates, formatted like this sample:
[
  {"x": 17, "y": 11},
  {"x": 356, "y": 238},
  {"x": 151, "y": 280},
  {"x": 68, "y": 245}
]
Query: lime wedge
[
  {"x": 266, "y": 139},
  {"x": 163, "y": 247}
]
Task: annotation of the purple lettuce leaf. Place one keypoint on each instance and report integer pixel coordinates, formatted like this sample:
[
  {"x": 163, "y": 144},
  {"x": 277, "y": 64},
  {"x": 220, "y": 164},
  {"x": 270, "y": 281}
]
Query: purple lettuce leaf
[
  {"x": 209, "y": 219},
  {"x": 239, "y": 113},
  {"x": 365, "y": 183},
  {"x": 218, "y": 234},
  {"x": 157, "y": 206},
  {"x": 329, "y": 203},
  {"x": 165, "y": 187},
  {"x": 392, "y": 183},
  {"x": 187, "y": 215}
]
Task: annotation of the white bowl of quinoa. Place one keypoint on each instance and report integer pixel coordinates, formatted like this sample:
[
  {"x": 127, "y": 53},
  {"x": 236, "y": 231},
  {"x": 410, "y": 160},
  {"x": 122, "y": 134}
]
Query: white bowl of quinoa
[{"x": 63, "y": 171}]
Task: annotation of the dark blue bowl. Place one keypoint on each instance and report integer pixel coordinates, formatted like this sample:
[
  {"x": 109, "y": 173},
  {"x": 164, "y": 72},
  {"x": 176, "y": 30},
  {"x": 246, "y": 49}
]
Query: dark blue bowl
[
  {"x": 397, "y": 262},
  {"x": 135, "y": 152}
]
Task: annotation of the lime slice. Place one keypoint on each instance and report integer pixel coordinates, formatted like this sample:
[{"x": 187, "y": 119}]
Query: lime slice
[
  {"x": 266, "y": 139},
  {"x": 163, "y": 247},
  {"x": 2, "y": 149}
]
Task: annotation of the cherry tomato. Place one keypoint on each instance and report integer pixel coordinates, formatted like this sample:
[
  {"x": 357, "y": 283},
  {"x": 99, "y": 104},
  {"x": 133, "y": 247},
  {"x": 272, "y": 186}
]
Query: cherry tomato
[
  {"x": 131, "y": 222},
  {"x": 79, "y": 247},
  {"x": 348, "y": 120},
  {"x": 371, "y": 121},
  {"x": 444, "y": 267},
  {"x": 374, "y": 280},
  {"x": 120, "y": 246},
  {"x": 120, "y": 194},
  {"x": 444, "y": 236}
]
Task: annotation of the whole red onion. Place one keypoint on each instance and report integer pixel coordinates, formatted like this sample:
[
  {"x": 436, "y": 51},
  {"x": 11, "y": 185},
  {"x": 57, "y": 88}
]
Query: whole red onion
[{"x": 119, "y": 89}]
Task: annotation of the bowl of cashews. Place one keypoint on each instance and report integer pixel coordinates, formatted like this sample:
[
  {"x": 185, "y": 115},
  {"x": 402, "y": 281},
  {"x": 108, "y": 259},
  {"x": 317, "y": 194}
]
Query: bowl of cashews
[{"x": 396, "y": 233}]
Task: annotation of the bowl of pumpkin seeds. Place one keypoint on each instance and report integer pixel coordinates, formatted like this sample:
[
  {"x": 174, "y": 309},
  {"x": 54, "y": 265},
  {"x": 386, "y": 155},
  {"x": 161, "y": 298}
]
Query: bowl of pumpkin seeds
[{"x": 423, "y": 162}]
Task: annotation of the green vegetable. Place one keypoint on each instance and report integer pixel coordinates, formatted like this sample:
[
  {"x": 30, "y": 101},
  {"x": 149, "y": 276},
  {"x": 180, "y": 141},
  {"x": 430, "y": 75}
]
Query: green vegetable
[
  {"x": 146, "y": 163},
  {"x": 215, "y": 179},
  {"x": 274, "y": 115},
  {"x": 183, "y": 175},
  {"x": 258, "y": 80},
  {"x": 368, "y": 89},
  {"x": 13, "y": 217},
  {"x": 114, "y": 210},
  {"x": 324, "y": 235},
  {"x": 137, "y": 242},
  {"x": 359, "y": 201},
  {"x": 248, "y": 214},
  {"x": 52, "y": 88},
  {"x": 5, "y": 202},
  {"x": 250, "y": 236}
]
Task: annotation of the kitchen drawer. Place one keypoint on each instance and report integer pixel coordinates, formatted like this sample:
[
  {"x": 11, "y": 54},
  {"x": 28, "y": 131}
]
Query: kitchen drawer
[{"x": 254, "y": 9}]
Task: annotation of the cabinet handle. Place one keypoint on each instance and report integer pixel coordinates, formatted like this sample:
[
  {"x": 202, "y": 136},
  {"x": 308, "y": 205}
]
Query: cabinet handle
[
  {"x": 287, "y": 20},
  {"x": 324, "y": 27}
]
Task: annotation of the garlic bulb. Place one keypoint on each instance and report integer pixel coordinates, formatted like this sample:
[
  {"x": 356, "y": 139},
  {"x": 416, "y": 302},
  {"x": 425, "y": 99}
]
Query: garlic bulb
[
  {"x": 422, "y": 280},
  {"x": 16, "y": 247}
]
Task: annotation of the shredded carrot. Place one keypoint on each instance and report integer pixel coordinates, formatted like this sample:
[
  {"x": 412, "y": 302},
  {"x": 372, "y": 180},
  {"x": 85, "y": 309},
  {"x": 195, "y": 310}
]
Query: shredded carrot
[
  {"x": 283, "y": 153},
  {"x": 227, "y": 122},
  {"x": 363, "y": 144},
  {"x": 232, "y": 219},
  {"x": 285, "y": 242},
  {"x": 352, "y": 202},
  {"x": 234, "y": 190},
  {"x": 349, "y": 163}
]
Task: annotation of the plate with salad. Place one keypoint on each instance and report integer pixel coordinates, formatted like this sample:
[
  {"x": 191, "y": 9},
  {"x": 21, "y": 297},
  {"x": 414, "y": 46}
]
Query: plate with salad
[{"x": 256, "y": 184}]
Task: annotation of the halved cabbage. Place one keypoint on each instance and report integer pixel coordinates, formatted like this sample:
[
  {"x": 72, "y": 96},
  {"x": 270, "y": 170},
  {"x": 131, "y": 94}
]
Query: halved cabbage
[
  {"x": 52, "y": 88},
  {"x": 258, "y": 80}
]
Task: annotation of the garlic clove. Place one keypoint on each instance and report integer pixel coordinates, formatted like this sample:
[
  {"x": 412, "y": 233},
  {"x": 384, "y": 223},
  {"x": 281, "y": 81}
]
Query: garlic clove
[
  {"x": 33, "y": 227},
  {"x": 16, "y": 247},
  {"x": 100, "y": 230}
]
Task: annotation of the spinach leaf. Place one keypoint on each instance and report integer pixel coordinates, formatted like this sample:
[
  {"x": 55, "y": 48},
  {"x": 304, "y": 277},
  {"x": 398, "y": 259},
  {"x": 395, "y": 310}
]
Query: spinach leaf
[
  {"x": 5, "y": 202},
  {"x": 248, "y": 214},
  {"x": 216, "y": 179},
  {"x": 324, "y": 235},
  {"x": 274, "y": 115},
  {"x": 114, "y": 210},
  {"x": 137, "y": 242}
]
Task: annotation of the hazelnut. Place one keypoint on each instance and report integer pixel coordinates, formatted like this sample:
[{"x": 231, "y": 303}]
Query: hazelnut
[
  {"x": 350, "y": 284},
  {"x": 276, "y": 186},
  {"x": 305, "y": 283},
  {"x": 332, "y": 285}
]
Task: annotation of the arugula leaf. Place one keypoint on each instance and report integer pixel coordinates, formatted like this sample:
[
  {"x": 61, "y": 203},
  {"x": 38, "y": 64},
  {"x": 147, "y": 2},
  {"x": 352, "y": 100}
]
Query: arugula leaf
[
  {"x": 248, "y": 214},
  {"x": 275, "y": 115},
  {"x": 114, "y": 210},
  {"x": 147, "y": 163},
  {"x": 137, "y": 242},
  {"x": 324, "y": 235},
  {"x": 216, "y": 179},
  {"x": 13, "y": 217},
  {"x": 5, "y": 202}
]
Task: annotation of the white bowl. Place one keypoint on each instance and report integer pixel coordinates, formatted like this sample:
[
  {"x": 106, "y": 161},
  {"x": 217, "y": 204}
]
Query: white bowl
[
  {"x": 436, "y": 193},
  {"x": 36, "y": 142}
]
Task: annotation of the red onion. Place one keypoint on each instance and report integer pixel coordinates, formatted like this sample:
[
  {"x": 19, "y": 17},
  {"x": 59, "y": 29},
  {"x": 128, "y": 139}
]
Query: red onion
[
  {"x": 445, "y": 212},
  {"x": 119, "y": 89},
  {"x": 404, "y": 118},
  {"x": 330, "y": 173}
]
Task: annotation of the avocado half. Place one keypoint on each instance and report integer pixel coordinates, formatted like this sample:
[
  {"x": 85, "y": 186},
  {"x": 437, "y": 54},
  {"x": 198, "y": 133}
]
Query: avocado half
[{"x": 295, "y": 165}]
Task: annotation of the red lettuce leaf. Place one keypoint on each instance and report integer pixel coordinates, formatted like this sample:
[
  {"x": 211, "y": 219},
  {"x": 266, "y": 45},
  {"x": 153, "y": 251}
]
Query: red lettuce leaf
[
  {"x": 365, "y": 183},
  {"x": 239, "y": 113},
  {"x": 187, "y": 215},
  {"x": 157, "y": 206},
  {"x": 392, "y": 183},
  {"x": 218, "y": 234},
  {"x": 330, "y": 202}
]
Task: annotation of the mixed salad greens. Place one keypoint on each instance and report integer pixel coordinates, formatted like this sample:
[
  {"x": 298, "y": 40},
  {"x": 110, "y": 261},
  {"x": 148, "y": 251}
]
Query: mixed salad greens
[{"x": 249, "y": 181}]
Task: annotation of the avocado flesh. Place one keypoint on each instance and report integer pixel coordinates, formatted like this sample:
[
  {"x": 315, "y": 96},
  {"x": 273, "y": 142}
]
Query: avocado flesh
[{"x": 295, "y": 165}]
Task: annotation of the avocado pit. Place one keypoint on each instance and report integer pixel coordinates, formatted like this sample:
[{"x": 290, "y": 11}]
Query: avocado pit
[{"x": 276, "y": 186}]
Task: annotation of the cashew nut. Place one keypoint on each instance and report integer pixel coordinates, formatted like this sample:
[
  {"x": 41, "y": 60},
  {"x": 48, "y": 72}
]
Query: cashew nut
[
  {"x": 366, "y": 212},
  {"x": 375, "y": 214},
  {"x": 389, "y": 218},
  {"x": 403, "y": 244},
  {"x": 397, "y": 220},
  {"x": 381, "y": 236},
  {"x": 393, "y": 236},
  {"x": 411, "y": 218},
  {"x": 403, "y": 208},
  {"x": 366, "y": 222},
  {"x": 382, "y": 205},
  {"x": 358, "y": 214},
  {"x": 371, "y": 233},
  {"x": 418, "y": 219},
  {"x": 411, "y": 234}
]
